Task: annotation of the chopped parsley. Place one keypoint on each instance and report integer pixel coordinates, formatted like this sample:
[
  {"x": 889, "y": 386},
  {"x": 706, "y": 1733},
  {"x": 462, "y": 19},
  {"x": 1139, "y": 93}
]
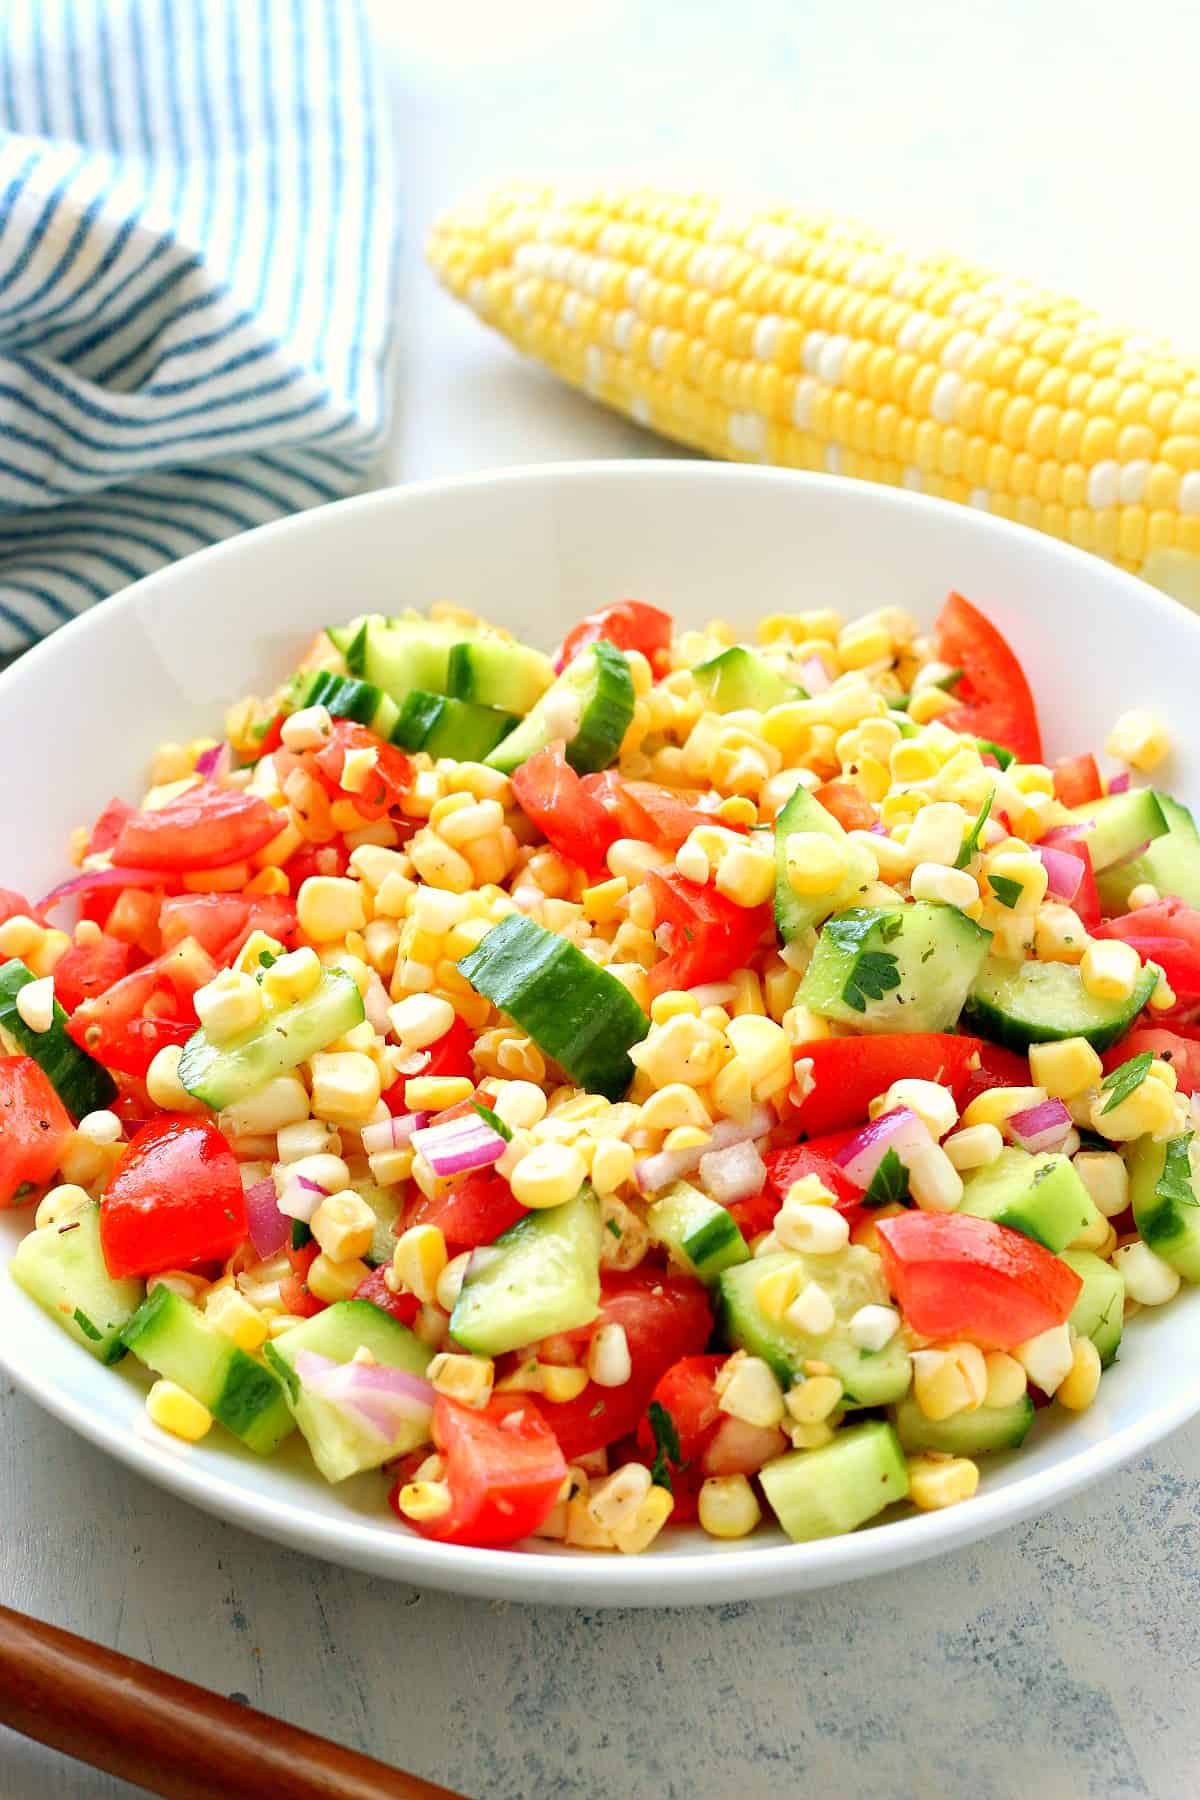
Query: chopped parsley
[
  {"x": 1125, "y": 1080},
  {"x": 850, "y": 930},
  {"x": 611, "y": 1225},
  {"x": 267, "y": 958},
  {"x": 1006, "y": 890},
  {"x": 970, "y": 843},
  {"x": 873, "y": 974},
  {"x": 666, "y": 1445},
  {"x": 889, "y": 1183},
  {"x": 1175, "y": 1182},
  {"x": 85, "y": 1325},
  {"x": 492, "y": 1120}
]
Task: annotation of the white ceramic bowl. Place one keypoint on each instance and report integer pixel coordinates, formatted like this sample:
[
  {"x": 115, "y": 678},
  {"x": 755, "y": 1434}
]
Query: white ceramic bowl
[{"x": 535, "y": 549}]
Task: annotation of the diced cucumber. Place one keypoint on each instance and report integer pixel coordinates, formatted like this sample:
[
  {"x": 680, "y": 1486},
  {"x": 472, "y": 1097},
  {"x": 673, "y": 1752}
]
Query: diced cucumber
[
  {"x": 575, "y": 1011},
  {"x": 494, "y": 671},
  {"x": 589, "y": 707},
  {"x": 344, "y": 697},
  {"x": 823, "y": 1493},
  {"x": 80, "y": 1082},
  {"x": 1121, "y": 823},
  {"x": 852, "y": 1279},
  {"x": 1171, "y": 863},
  {"x": 62, "y": 1268},
  {"x": 453, "y": 728},
  {"x": 223, "y": 1074},
  {"x": 697, "y": 1233},
  {"x": 797, "y": 913},
  {"x": 341, "y": 1445},
  {"x": 1040, "y": 1196},
  {"x": 903, "y": 968},
  {"x": 1021, "y": 1003},
  {"x": 541, "y": 1275},
  {"x": 965, "y": 1433},
  {"x": 1166, "y": 1210},
  {"x": 398, "y": 655},
  {"x": 171, "y": 1337},
  {"x": 1099, "y": 1312},
  {"x": 387, "y": 1203},
  {"x": 739, "y": 678}
]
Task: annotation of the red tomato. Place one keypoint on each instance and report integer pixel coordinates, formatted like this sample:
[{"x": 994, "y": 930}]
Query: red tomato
[
  {"x": 86, "y": 970},
  {"x": 475, "y": 1211},
  {"x": 1077, "y": 780},
  {"x": 316, "y": 859},
  {"x": 449, "y": 1055},
  {"x": 126, "y": 1026},
  {"x": 993, "y": 695},
  {"x": 1183, "y": 1053},
  {"x": 387, "y": 780},
  {"x": 848, "y": 1073},
  {"x": 665, "y": 1317},
  {"x": 108, "y": 826},
  {"x": 503, "y": 1468},
  {"x": 34, "y": 1128},
  {"x": 13, "y": 905},
  {"x": 670, "y": 817},
  {"x": 814, "y": 1157},
  {"x": 688, "y": 1392},
  {"x": 630, "y": 625},
  {"x": 756, "y": 1215},
  {"x": 849, "y": 806},
  {"x": 552, "y": 795},
  {"x": 707, "y": 936},
  {"x": 221, "y": 923},
  {"x": 1167, "y": 934},
  {"x": 374, "y": 1288},
  {"x": 295, "y": 1295},
  {"x": 204, "y": 828},
  {"x": 174, "y": 1199},
  {"x": 959, "y": 1277},
  {"x": 997, "y": 1068}
]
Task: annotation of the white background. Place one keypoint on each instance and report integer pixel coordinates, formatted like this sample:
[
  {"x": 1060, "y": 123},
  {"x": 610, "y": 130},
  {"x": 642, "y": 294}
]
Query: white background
[{"x": 1056, "y": 139}]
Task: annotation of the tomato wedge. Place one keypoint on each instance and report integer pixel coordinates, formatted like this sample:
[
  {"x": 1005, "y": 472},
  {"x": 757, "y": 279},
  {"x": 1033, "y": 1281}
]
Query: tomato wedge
[
  {"x": 1077, "y": 780},
  {"x": 848, "y": 1073},
  {"x": 503, "y": 1468},
  {"x": 448, "y": 1055},
  {"x": 87, "y": 970},
  {"x": 473, "y": 1212},
  {"x": 1167, "y": 934},
  {"x": 295, "y": 1295},
  {"x": 997, "y": 1068},
  {"x": 994, "y": 698},
  {"x": 557, "y": 801},
  {"x": 35, "y": 1128},
  {"x": 707, "y": 936},
  {"x": 174, "y": 1199},
  {"x": 374, "y": 1288},
  {"x": 129, "y": 1023},
  {"x": 851, "y": 808},
  {"x": 221, "y": 923},
  {"x": 386, "y": 781},
  {"x": 1183, "y": 1053},
  {"x": 630, "y": 625},
  {"x": 959, "y": 1277},
  {"x": 206, "y": 828}
]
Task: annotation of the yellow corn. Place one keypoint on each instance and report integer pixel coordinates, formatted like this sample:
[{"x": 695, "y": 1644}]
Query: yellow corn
[{"x": 781, "y": 336}]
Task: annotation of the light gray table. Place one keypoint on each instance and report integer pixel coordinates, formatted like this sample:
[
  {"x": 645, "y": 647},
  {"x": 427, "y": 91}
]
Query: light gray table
[{"x": 1061, "y": 1659}]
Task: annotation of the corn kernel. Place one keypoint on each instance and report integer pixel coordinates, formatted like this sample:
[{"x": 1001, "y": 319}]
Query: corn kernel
[
  {"x": 1006, "y": 1379},
  {"x": 816, "y": 864},
  {"x": 1060, "y": 935},
  {"x": 650, "y": 1518},
  {"x": 811, "y": 1401},
  {"x": 746, "y": 876},
  {"x": 343, "y": 1225},
  {"x": 614, "y": 1502},
  {"x": 949, "y": 1380},
  {"x": 996, "y": 1105},
  {"x": 1109, "y": 969},
  {"x": 873, "y": 1327},
  {"x": 812, "y": 1230},
  {"x": 434, "y": 1093},
  {"x": 234, "y": 1317},
  {"x": 60, "y": 1203},
  {"x": 728, "y": 1507},
  {"x": 682, "y": 1049},
  {"x": 936, "y": 1184},
  {"x": 1026, "y": 871},
  {"x": 280, "y": 1102},
  {"x": 752, "y": 1393},
  {"x": 1149, "y": 1108},
  {"x": 346, "y": 1086},
  {"x": 933, "y": 1104},
  {"x": 812, "y": 1311},
  {"x": 420, "y": 1020},
  {"x": 549, "y": 1175},
  {"x": 975, "y": 1147},
  {"x": 1065, "y": 1068},
  {"x": 1104, "y": 1175},
  {"x": 332, "y": 1281},
  {"x": 293, "y": 977},
  {"x": 936, "y": 834},
  {"x": 328, "y": 906},
  {"x": 1139, "y": 739},
  {"x": 424, "y": 1499},
  {"x": 419, "y": 1260},
  {"x": 467, "y": 1379},
  {"x": 174, "y": 1410},
  {"x": 933, "y": 1484},
  {"x": 164, "y": 1086},
  {"x": 228, "y": 1005},
  {"x": 1149, "y": 1279},
  {"x": 560, "y": 1385},
  {"x": 953, "y": 887}
]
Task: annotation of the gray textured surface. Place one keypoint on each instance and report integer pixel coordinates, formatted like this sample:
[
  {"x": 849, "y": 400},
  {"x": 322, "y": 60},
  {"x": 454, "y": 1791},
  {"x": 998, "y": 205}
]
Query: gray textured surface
[{"x": 1061, "y": 1659}]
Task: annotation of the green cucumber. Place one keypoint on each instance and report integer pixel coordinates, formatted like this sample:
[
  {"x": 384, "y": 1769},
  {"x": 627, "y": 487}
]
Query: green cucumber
[
  {"x": 495, "y": 671},
  {"x": 852, "y": 1279},
  {"x": 824, "y": 1493},
  {"x": 341, "y": 1445},
  {"x": 697, "y": 1233},
  {"x": 589, "y": 707},
  {"x": 387, "y": 1203},
  {"x": 80, "y": 1082},
  {"x": 1021, "y": 1003},
  {"x": 1039, "y": 1196},
  {"x": 542, "y": 1275},
  {"x": 739, "y": 678},
  {"x": 902, "y": 968},
  {"x": 1171, "y": 863},
  {"x": 965, "y": 1433},
  {"x": 1166, "y": 1210},
  {"x": 1099, "y": 1312},
  {"x": 171, "y": 1337},
  {"x": 398, "y": 655},
  {"x": 62, "y": 1267},
  {"x": 1120, "y": 824},
  {"x": 575, "y": 1011},
  {"x": 223, "y": 1074},
  {"x": 797, "y": 913},
  {"x": 453, "y": 728},
  {"x": 344, "y": 697}
]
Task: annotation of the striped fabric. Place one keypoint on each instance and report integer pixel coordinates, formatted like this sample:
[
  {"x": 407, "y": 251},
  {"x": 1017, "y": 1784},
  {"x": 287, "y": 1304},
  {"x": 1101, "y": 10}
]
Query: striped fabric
[{"x": 196, "y": 259}]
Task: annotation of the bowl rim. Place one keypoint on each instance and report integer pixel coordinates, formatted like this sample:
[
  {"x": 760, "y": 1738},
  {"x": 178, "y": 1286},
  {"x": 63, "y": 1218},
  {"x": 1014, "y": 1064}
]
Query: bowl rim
[{"x": 714, "y": 1572}]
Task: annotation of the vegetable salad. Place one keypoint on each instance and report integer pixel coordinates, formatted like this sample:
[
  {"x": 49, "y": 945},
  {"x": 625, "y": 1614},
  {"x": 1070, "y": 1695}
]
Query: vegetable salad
[{"x": 681, "y": 1080}]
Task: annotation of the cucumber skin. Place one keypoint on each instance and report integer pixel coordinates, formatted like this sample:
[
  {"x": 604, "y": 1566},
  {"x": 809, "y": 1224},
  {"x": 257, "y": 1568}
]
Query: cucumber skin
[
  {"x": 492, "y": 1315},
  {"x": 42, "y": 1266},
  {"x": 1104, "y": 1323},
  {"x": 81, "y": 1083},
  {"x": 1040, "y": 1196},
  {"x": 831, "y": 1491},
  {"x": 1171, "y": 1228},
  {"x": 966, "y": 1434},
  {"x": 603, "y": 724},
  {"x": 982, "y": 1016},
  {"x": 219, "y": 1074},
  {"x": 173, "y": 1339}
]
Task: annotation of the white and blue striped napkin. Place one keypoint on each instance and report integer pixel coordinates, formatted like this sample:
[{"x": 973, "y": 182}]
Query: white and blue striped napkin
[{"x": 196, "y": 259}]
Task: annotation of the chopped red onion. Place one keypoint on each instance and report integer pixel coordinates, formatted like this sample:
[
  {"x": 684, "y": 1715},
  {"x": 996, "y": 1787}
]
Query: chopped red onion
[
  {"x": 814, "y": 675},
  {"x": 659, "y": 1171},
  {"x": 900, "y": 1131},
  {"x": 390, "y": 1134},
  {"x": 1045, "y": 1126},
  {"x": 270, "y": 1230},
  {"x": 735, "y": 1173},
  {"x": 215, "y": 764},
  {"x": 102, "y": 878},
  {"x": 301, "y": 1197},
  {"x": 465, "y": 1143},
  {"x": 1119, "y": 784},
  {"x": 1064, "y": 873},
  {"x": 387, "y": 1401}
]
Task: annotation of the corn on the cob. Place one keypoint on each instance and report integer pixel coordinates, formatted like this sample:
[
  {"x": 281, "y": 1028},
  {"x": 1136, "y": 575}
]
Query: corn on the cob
[{"x": 786, "y": 337}]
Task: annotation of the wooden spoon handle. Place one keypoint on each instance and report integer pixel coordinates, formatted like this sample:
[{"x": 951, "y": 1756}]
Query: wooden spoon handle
[{"x": 171, "y": 1737}]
